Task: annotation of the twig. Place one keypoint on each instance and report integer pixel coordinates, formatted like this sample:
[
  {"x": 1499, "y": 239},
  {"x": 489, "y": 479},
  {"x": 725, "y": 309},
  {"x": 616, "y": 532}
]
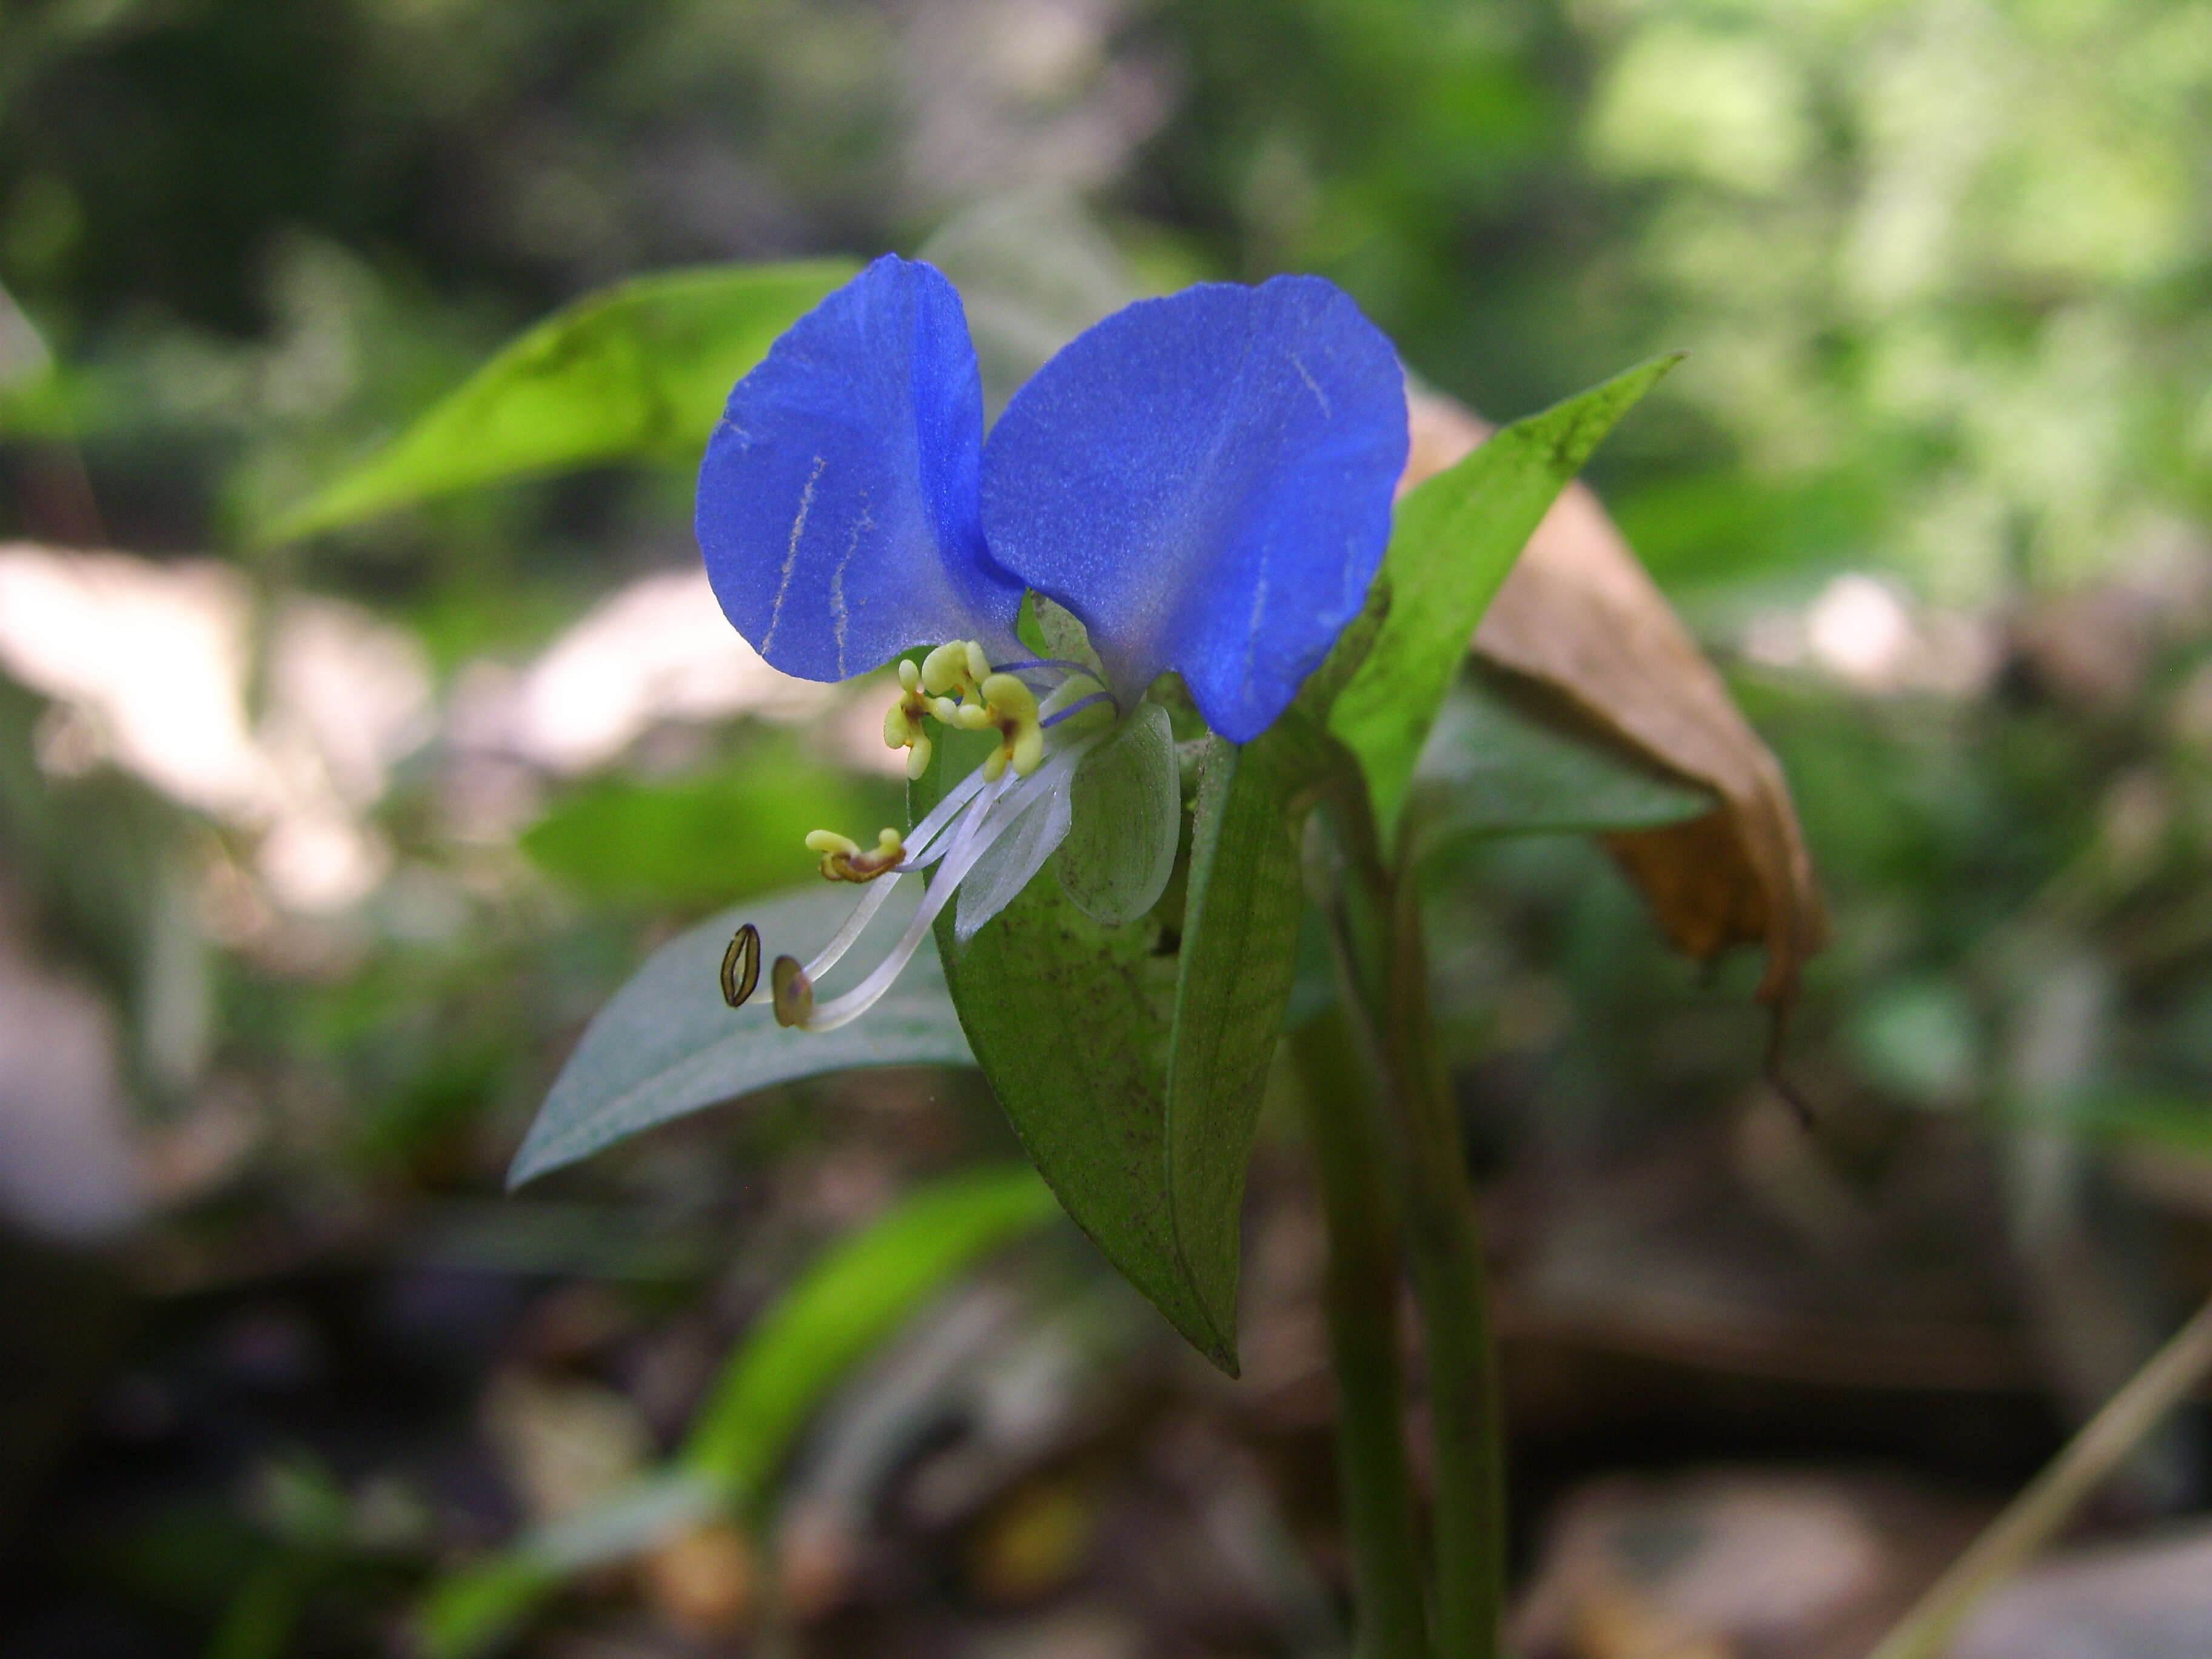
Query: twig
[{"x": 2035, "y": 1515}]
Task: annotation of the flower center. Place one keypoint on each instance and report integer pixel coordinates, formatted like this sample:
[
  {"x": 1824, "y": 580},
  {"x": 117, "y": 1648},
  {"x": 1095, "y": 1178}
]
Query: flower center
[{"x": 1042, "y": 739}]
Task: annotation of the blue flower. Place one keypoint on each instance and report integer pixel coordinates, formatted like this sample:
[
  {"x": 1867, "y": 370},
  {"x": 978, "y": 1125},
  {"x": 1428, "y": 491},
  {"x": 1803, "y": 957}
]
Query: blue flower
[{"x": 1204, "y": 481}]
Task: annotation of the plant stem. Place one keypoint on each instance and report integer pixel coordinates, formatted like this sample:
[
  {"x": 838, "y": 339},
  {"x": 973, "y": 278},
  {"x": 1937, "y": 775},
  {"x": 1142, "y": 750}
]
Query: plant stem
[
  {"x": 1360, "y": 1297},
  {"x": 1374, "y": 913},
  {"x": 1445, "y": 1241},
  {"x": 2035, "y": 1516}
]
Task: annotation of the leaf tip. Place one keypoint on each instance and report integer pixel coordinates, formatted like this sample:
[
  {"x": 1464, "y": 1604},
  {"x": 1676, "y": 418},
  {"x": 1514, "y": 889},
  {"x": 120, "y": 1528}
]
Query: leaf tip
[{"x": 531, "y": 1161}]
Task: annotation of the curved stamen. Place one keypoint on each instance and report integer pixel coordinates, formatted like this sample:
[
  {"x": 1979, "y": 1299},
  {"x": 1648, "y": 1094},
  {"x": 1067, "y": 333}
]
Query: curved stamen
[
  {"x": 990, "y": 819},
  {"x": 925, "y": 834},
  {"x": 1034, "y": 665},
  {"x": 854, "y": 925},
  {"x": 1076, "y": 708}
]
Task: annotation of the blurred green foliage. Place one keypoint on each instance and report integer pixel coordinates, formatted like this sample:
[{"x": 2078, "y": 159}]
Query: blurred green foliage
[{"x": 712, "y": 834}]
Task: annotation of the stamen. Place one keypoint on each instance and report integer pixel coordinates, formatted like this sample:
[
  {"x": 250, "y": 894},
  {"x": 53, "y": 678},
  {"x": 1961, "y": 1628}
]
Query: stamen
[
  {"x": 955, "y": 669},
  {"x": 991, "y": 817},
  {"x": 1040, "y": 665},
  {"x": 930, "y": 830},
  {"x": 1077, "y": 686},
  {"x": 902, "y": 721},
  {"x": 794, "y": 992},
  {"x": 854, "y": 926},
  {"x": 1011, "y": 707},
  {"x": 741, "y": 965},
  {"x": 1081, "y": 705},
  {"x": 844, "y": 861}
]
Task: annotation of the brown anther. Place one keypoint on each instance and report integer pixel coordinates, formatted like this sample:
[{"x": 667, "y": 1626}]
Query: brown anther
[
  {"x": 741, "y": 966},
  {"x": 793, "y": 991}
]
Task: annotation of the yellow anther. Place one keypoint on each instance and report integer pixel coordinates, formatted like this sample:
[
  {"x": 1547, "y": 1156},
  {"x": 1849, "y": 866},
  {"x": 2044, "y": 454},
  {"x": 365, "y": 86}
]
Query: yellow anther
[
  {"x": 903, "y": 726},
  {"x": 844, "y": 861},
  {"x": 1011, "y": 707},
  {"x": 1006, "y": 693},
  {"x": 953, "y": 669}
]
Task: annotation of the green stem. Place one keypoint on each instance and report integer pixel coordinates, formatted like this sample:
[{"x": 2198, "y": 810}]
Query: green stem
[
  {"x": 1359, "y": 1295},
  {"x": 1445, "y": 1241},
  {"x": 2035, "y": 1515},
  {"x": 1374, "y": 913}
]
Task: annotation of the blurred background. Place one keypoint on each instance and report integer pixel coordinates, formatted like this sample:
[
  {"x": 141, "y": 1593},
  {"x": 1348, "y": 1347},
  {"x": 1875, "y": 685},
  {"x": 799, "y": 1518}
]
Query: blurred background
[{"x": 315, "y": 859}]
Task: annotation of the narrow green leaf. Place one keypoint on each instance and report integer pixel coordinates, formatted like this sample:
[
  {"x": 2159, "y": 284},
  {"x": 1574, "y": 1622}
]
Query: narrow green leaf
[
  {"x": 1495, "y": 766},
  {"x": 667, "y": 1044},
  {"x": 847, "y": 1303},
  {"x": 638, "y": 372},
  {"x": 1239, "y": 959},
  {"x": 850, "y": 1301},
  {"x": 1070, "y": 1022},
  {"x": 1457, "y": 536},
  {"x": 475, "y": 1609},
  {"x": 1128, "y": 818}
]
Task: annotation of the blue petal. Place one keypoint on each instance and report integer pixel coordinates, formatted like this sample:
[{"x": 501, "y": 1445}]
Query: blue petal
[
  {"x": 1205, "y": 480},
  {"x": 837, "y": 503}
]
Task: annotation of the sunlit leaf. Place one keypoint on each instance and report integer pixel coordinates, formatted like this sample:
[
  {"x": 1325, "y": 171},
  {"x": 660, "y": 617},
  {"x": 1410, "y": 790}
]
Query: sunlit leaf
[
  {"x": 667, "y": 1043},
  {"x": 849, "y": 1301},
  {"x": 475, "y": 1609},
  {"x": 637, "y": 372},
  {"x": 1454, "y": 538},
  {"x": 847, "y": 1304}
]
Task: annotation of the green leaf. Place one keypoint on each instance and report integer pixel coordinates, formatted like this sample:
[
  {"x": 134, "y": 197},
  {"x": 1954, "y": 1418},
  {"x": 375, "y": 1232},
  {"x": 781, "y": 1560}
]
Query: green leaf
[
  {"x": 1495, "y": 766},
  {"x": 667, "y": 1044},
  {"x": 478, "y": 1607},
  {"x": 705, "y": 839},
  {"x": 1070, "y": 1022},
  {"x": 849, "y": 1302},
  {"x": 1132, "y": 1060},
  {"x": 1128, "y": 818},
  {"x": 1239, "y": 960},
  {"x": 1456, "y": 537},
  {"x": 636, "y": 372}
]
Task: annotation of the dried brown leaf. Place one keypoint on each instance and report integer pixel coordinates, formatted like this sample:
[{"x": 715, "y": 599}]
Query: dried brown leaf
[{"x": 1580, "y": 620}]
